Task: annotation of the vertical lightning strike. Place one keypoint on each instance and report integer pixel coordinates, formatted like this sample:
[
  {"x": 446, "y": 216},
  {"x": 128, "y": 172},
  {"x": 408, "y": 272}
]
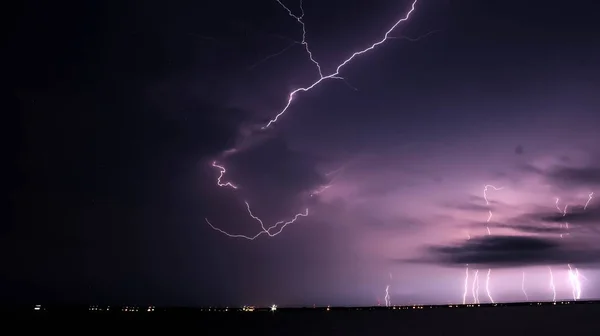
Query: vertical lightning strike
[
  {"x": 573, "y": 275},
  {"x": 523, "y": 287},
  {"x": 487, "y": 281},
  {"x": 466, "y": 285},
  {"x": 575, "y": 283},
  {"x": 334, "y": 75},
  {"x": 388, "y": 302},
  {"x": 475, "y": 289},
  {"x": 590, "y": 196},
  {"x": 485, "y": 189},
  {"x": 552, "y": 287},
  {"x": 487, "y": 285},
  {"x": 387, "y": 296}
]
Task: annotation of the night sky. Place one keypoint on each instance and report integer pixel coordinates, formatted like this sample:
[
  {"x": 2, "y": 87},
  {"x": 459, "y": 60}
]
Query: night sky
[{"x": 121, "y": 108}]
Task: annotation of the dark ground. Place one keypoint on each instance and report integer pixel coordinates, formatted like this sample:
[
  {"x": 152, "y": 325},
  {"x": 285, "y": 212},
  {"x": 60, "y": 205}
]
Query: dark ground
[{"x": 547, "y": 320}]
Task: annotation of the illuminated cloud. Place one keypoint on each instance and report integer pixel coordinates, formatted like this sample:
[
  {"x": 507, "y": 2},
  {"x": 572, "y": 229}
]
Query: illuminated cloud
[{"x": 509, "y": 251}]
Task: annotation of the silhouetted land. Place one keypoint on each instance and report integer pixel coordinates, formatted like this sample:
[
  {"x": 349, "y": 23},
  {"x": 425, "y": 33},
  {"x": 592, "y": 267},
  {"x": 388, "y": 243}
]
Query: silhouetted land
[{"x": 566, "y": 319}]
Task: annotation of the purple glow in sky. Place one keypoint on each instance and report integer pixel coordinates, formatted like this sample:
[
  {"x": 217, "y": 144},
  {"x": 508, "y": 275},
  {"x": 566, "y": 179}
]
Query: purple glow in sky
[
  {"x": 418, "y": 207},
  {"x": 368, "y": 188}
]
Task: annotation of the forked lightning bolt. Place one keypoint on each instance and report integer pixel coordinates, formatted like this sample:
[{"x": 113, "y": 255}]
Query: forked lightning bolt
[
  {"x": 475, "y": 288},
  {"x": 487, "y": 285},
  {"x": 279, "y": 225},
  {"x": 334, "y": 75},
  {"x": 291, "y": 95}
]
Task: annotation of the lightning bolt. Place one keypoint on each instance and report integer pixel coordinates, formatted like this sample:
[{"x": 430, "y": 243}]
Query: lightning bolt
[
  {"x": 280, "y": 225},
  {"x": 590, "y": 196},
  {"x": 291, "y": 95},
  {"x": 573, "y": 275},
  {"x": 388, "y": 302},
  {"x": 334, "y": 75},
  {"x": 552, "y": 287},
  {"x": 475, "y": 288},
  {"x": 487, "y": 202},
  {"x": 222, "y": 172},
  {"x": 487, "y": 285},
  {"x": 487, "y": 281},
  {"x": 523, "y": 287},
  {"x": 575, "y": 283},
  {"x": 466, "y": 284}
]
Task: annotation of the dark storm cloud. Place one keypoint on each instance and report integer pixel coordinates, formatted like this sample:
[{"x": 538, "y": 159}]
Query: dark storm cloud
[
  {"x": 274, "y": 171},
  {"x": 584, "y": 176},
  {"x": 533, "y": 228},
  {"x": 568, "y": 176},
  {"x": 473, "y": 203},
  {"x": 509, "y": 251},
  {"x": 194, "y": 119},
  {"x": 575, "y": 215}
]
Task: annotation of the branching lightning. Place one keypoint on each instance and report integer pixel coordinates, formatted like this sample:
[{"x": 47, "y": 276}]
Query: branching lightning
[
  {"x": 475, "y": 288},
  {"x": 278, "y": 227},
  {"x": 334, "y": 75},
  {"x": 573, "y": 274}
]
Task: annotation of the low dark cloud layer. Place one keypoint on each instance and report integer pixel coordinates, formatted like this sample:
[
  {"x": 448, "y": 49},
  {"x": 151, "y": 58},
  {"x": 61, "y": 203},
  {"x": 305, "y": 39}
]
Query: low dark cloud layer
[
  {"x": 568, "y": 176},
  {"x": 273, "y": 172},
  {"x": 509, "y": 251}
]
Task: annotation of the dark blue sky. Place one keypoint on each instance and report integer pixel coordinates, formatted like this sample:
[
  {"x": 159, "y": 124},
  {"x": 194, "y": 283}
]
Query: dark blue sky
[{"x": 122, "y": 108}]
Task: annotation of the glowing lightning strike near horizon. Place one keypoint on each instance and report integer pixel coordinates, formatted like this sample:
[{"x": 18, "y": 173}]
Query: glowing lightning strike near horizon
[
  {"x": 487, "y": 281},
  {"x": 387, "y": 296},
  {"x": 475, "y": 288},
  {"x": 264, "y": 230},
  {"x": 466, "y": 285},
  {"x": 334, "y": 75},
  {"x": 487, "y": 285},
  {"x": 573, "y": 275},
  {"x": 552, "y": 285},
  {"x": 575, "y": 283},
  {"x": 523, "y": 287}
]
